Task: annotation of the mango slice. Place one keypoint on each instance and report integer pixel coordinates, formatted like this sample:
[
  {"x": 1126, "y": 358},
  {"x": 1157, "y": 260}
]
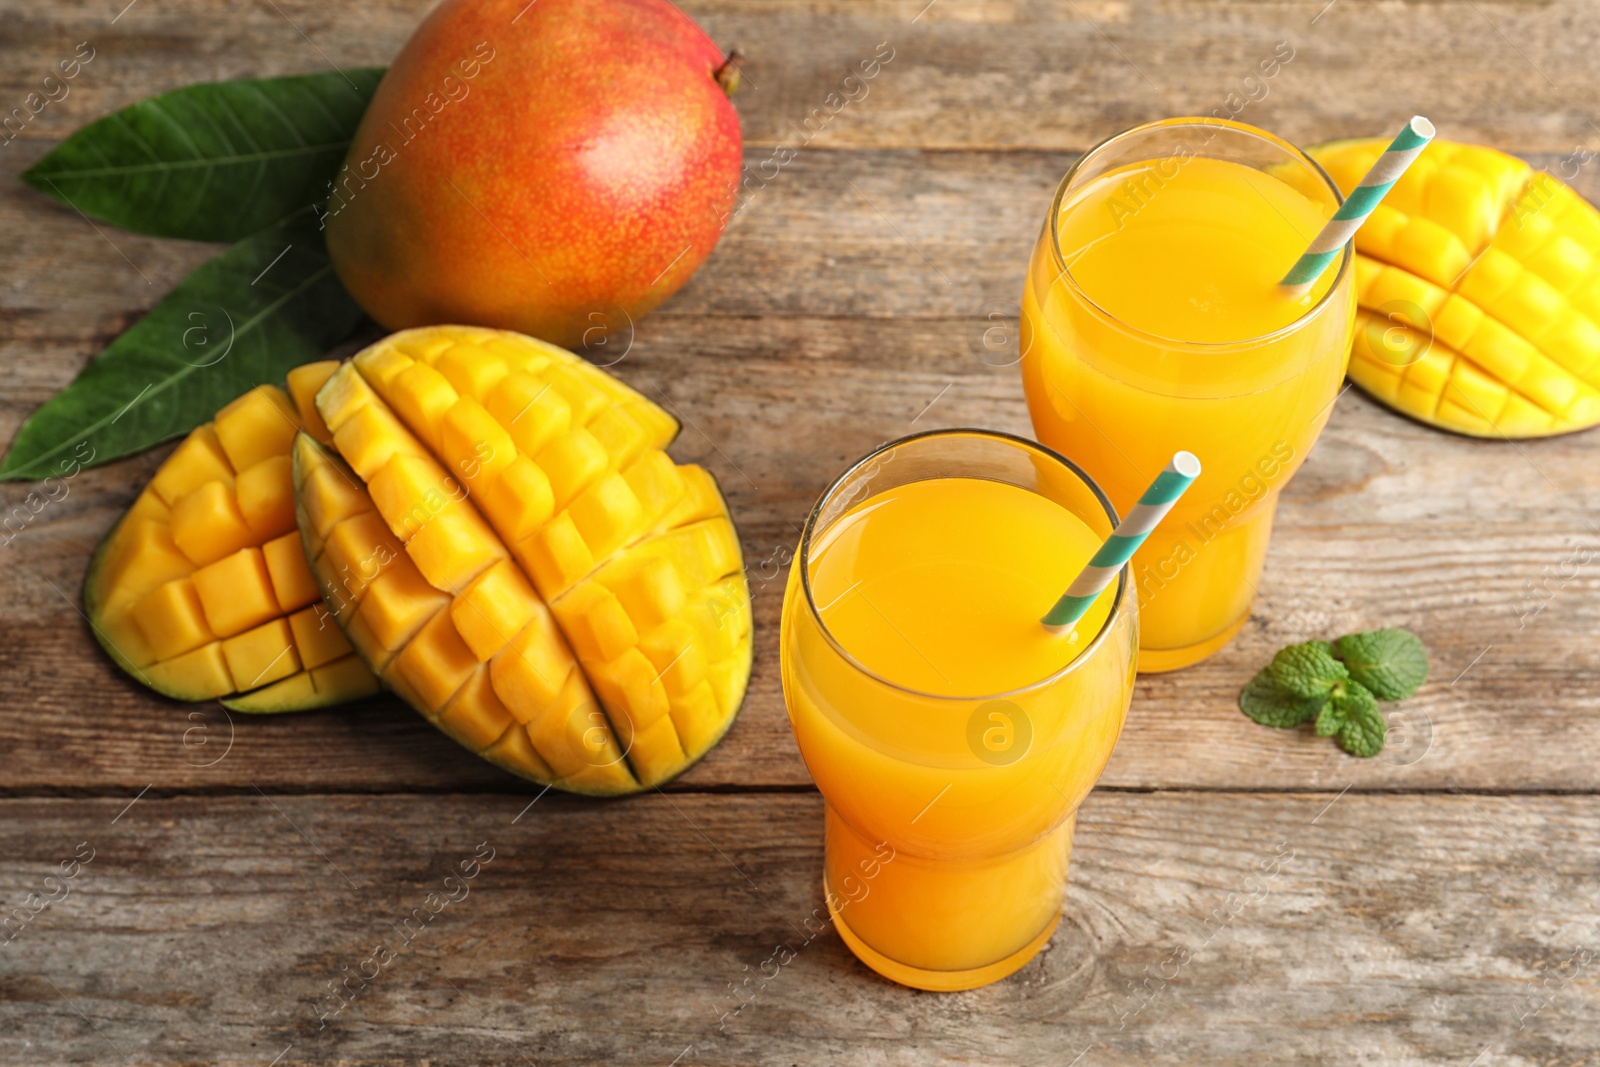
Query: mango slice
[
  {"x": 1479, "y": 287},
  {"x": 504, "y": 542},
  {"x": 203, "y": 590}
]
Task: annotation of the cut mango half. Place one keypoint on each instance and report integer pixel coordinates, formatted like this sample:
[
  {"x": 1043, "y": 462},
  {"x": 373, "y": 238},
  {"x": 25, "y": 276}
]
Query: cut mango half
[
  {"x": 1478, "y": 280},
  {"x": 504, "y": 542},
  {"x": 203, "y": 591}
]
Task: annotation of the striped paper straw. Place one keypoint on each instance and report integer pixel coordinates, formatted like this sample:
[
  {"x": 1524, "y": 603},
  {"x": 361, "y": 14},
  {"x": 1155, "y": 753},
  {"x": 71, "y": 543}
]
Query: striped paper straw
[
  {"x": 1400, "y": 154},
  {"x": 1130, "y": 533}
]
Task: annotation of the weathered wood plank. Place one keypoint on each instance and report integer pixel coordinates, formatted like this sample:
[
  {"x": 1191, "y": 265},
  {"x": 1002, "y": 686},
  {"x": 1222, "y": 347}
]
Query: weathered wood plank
[
  {"x": 963, "y": 73},
  {"x": 1199, "y": 929},
  {"x": 815, "y": 333}
]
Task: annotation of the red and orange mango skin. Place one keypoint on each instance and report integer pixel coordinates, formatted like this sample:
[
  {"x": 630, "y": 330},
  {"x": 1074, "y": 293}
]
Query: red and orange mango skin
[{"x": 557, "y": 168}]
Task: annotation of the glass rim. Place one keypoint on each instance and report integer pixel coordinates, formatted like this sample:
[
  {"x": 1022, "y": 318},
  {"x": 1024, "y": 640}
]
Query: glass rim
[
  {"x": 1118, "y": 604},
  {"x": 1063, "y": 271}
]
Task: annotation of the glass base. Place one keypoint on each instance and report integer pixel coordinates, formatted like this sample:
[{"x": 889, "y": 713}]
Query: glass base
[
  {"x": 938, "y": 981},
  {"x": 1157, "y": 660}
]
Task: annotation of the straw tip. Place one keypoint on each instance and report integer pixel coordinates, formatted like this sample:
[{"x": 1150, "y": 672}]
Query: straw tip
[
  {"x": 1186, "y": 464},
  {"x": 1421, "y": 127}
]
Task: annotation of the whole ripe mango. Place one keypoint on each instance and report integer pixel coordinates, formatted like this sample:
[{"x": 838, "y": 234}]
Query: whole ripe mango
[
  {"x": 1478, "y": 280},
  {"x": 558, "y": 168}
]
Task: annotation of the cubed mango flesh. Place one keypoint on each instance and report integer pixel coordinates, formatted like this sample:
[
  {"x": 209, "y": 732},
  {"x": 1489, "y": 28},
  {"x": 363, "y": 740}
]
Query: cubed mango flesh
[
  {"x": 1478, "y": 280},
  {"x": 192, "y": 592},
  {"x": 572, "y": 603}
]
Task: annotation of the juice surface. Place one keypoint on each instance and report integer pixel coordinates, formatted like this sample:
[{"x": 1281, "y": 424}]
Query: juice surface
[
  {"x": 1195, "y": 256},
  {"x": 939, "y": 585}
]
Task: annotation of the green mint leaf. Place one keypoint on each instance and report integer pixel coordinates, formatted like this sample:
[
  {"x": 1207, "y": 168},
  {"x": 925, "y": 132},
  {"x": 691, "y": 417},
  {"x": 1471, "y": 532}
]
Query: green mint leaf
[
  {"x": 1362, "y": 728},
  {"x": 1391, "y": 663},
  {"x": 1326, "y": 646},
  {"x": 1270, "y": 704},
  {"x": 1307, "y": 670},
  {"x": 211, "y": 162},
  {"x": 1330, "y": 719},
  {"x": 267, "y": 304}
]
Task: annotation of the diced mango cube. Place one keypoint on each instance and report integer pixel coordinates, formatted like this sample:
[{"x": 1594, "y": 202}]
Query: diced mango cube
[
  {"x": 495, "y": 608},
  {"x": 620, "y": 434},
  {"x": 141, "y": 559},
  {"x": 236, "y": 592},
  {"x": 293, "y": 585},
  {"x": 515, "y": 752},
  {"x": 572, "y": 462},
  {"x": 420, "y": 395},
  {"x": 530, "y": 672},
  {"x": 198, "y": 675},
  {"x": 330, "y": 495},
  {"x": 698, "y": 718},
  {"x": 265, "y": 494},
  {"x": 474, "y": 716},
  {"x": 532, "y": 412},
  {"x": 357, "y": 551},
  {"x": 454, "y": 547},
  {"x": 261, "y": 656},
  {"x": 473, "y": 442},
  {"x": 198, "y": 460},
  {"x": 677, "y": 654},
  {"x": 472, "y": 370},
  {"x": 435, "y": 663},
  {"x": 595, "y": 622},
  {"x": 317, "y": 638},
  {"x": 556, "y": 556},
  {"x": 172, "y": 620},
  {"x": 305, "y": 381},
  {"x": 519, "y": 501},
  {"x": 409, "y": 491},
  {"x": 344, "y": 394},
  {"x": 654, "y": 751},
  {"x": 631, "y": 690},
  {"x": 399, "y": 602},
  {"x": 649, "y": 588},
  {"x": 371, "y": 437},
  {"x": 256, "y": 426},
  {"x": 608, "y": 515},
  {"x": 207, "y": 524}
]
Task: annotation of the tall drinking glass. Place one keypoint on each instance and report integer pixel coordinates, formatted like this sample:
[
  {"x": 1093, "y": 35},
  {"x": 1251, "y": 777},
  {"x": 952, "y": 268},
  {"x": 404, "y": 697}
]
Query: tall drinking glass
[
  {"x": 1152, "y": 323},
  {"x": 951, "y": 736}
]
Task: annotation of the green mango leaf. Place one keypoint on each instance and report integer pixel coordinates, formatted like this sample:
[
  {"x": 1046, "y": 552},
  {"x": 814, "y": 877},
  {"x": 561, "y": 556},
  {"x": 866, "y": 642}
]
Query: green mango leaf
[
  {"x": 211, "y": 162},
  {"x": 266, "y": 305}
]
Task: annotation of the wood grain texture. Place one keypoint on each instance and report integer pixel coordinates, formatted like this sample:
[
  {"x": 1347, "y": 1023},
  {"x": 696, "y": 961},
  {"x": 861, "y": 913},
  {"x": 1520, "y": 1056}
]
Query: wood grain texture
[
  {"x": 1056, "y": 74},
  {"x": 849, "y": 305},
  {"x": 1217, "y": 929},
  {"x": 864, "y": 290}
]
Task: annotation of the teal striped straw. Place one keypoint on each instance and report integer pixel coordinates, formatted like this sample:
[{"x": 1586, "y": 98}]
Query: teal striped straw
[
  {"x": 1400, "y": 154},
  {"x": 1130, "y": 533}
]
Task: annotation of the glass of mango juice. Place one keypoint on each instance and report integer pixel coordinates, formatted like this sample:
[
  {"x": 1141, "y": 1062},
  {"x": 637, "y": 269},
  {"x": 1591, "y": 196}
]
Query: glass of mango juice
[
  {"x": 952, "y": 736},
  {"x": 1152, "y": 320}
]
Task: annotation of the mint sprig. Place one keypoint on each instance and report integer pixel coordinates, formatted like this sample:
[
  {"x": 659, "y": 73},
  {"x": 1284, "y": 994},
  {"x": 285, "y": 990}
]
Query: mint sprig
[{"x": 1336, "y": 686}]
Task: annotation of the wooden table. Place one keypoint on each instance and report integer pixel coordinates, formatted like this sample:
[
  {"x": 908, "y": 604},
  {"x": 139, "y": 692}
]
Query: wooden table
[{"x": 1437, "y": 904}]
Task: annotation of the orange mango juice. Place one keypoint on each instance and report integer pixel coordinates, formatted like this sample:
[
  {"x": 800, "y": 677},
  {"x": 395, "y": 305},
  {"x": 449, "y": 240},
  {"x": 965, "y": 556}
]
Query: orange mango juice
[
  {"x": 1153, "y": 322},
  {"x": 951, "y": 735}
]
